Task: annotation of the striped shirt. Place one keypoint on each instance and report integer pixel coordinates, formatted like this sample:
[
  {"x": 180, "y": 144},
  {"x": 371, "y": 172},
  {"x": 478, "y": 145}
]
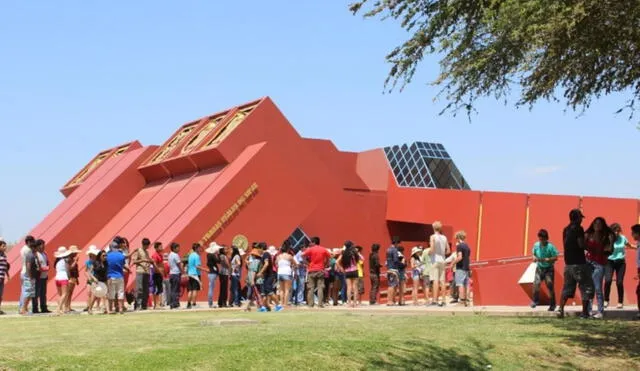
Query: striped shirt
[{"x": 3, "y": 266}]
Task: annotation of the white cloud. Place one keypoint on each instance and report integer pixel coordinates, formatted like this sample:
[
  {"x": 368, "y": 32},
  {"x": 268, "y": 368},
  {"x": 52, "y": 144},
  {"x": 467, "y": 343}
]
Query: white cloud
[{"x": 543, "y": 170}]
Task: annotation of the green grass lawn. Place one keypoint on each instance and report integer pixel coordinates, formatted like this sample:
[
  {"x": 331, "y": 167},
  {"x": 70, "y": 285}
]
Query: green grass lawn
[{"x": 311, "y": 340}]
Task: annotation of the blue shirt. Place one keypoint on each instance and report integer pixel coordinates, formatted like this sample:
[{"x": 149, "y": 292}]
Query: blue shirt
[
  {"x": 545, "y": 252},
  {"x": 193, "y": 263},
  {"x": 618, "y": 248},
  {"x": 115, "y": 264},
  {"x": 392, "y": 258}
]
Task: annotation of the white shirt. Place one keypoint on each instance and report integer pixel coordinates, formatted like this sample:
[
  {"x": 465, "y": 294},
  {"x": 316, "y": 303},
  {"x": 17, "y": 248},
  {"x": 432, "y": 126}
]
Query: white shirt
[
  {"x": 61, "y": 270},
  {"x": 440, "y": 245},
  {"x": 24, "y": 251},
  {"x": 284, "y": 267}
]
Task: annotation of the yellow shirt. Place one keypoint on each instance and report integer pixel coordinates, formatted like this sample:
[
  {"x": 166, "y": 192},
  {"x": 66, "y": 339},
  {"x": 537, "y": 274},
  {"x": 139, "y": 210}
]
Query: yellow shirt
[{"x": 361, "y": 267}]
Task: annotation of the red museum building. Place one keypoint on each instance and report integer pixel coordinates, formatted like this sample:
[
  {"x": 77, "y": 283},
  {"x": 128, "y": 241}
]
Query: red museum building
[{"x": 245, "y": 174}]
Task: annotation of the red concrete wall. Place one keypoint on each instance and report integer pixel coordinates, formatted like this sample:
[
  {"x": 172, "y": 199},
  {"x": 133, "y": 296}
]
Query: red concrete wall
[
  {"x": 550, "y": 212},
  {"x": 370, "y": 167},
  {"x": 503, "y": 225}
]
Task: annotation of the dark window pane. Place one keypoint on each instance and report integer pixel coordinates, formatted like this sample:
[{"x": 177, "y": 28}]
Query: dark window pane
[{"x": 440, "y": 146}]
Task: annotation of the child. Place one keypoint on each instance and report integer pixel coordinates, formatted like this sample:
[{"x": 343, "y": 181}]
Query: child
[
  {"x": 635, "y": 233},
  {"x": 4, "y": 268}
]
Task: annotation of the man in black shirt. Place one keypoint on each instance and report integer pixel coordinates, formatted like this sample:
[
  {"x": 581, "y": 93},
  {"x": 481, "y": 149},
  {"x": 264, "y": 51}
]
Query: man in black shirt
[
  {"x": 576, "y": 270},
  {"x": 374, "y": 273}
]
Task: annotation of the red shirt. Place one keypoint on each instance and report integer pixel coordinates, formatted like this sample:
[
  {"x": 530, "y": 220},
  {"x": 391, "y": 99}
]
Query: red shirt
[
  {"x": 595, "y": 252},
  {"x": 157, "y": 258},
  {"x": 317, "y": 256}
]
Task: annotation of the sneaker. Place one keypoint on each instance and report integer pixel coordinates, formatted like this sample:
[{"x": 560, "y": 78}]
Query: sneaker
[
  {"x": 189, "y": 306},
  {"x": 279, "y": 308},
  {"x": 551, "y": 308},
  {"x": 533, "y": 305},
  {"x": 620, "y": 306},
  {"x": 441, "y": 304},
  {"x": 606, "y": 304},
  {"x": 597, "y": 316},
  {"x": 454, "y": 301},
  {"x": 262, "y": 309}
]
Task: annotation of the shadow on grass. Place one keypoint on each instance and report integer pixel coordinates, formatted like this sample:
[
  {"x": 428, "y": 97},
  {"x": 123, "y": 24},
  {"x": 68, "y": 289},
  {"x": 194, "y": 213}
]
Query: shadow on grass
[
  {"x": 601, "y": 339},
  {"x": 423, "y": 355}
]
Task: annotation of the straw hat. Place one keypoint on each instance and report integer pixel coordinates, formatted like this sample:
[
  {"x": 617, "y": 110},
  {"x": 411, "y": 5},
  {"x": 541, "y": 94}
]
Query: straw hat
[
  {"x": 62, "y": 252},
  {"x": 93, "y": 250},
  {"x": 73, "y": 249},
  {"x": 415, "y": 250},
  {"x": 213, "y": 248}
]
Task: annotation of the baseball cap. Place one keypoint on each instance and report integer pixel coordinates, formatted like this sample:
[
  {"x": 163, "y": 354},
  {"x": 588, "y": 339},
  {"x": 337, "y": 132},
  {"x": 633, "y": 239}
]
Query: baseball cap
[{"x": 575, "y": 214}]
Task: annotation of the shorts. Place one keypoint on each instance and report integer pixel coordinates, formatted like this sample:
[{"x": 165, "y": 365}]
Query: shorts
[
  {"x": 268, "y": 286},
  {"x": 360, "y": 285},
  {"x": 351, "y": 275},
  {"x": 580, "y": 275},
  {"x": 392, "y": 278},
  {"x": 194, "y": 284},
  {"x": 115, "y": 288},
  {"x": 61, "y": 283},
  {"x": 402, "y": 275},
  {"x": 157, "y": 283},
  {"x": 29, "y": 287},
  {"x": 1, "y": 288},
  {"x": 462, "y": 278},
  {"x": 437, "y": 272},
  {"x": 284, "y": 277}
]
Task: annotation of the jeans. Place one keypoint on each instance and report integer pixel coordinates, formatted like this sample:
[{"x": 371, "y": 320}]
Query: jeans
[
  {"x": 41, "y": 296},
  {"x": 224, "y": 290},
  {"x": 174, "y": 297},
  {"x": 142, "y": 290},
  {"x": 166, "y": 292},
  {"x": 300, "y": 282},
  {"x": 343, "y": 286},
  {"x": 597, "y": 275},
  {"x": 316, "y": 280},
  {"x": 212, "y": 286},
  {"x": 375, "y": 284},
  {"x": 235, "y": 291},
  {"x": 619, "y": 267},
  {"x": 548, "y": 276},
  {"x": 22, "y": 291}
]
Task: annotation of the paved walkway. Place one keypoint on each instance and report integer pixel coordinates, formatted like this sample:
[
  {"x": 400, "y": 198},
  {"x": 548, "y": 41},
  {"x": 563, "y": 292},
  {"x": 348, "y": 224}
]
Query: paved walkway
[{"x": 628, "y": 313}]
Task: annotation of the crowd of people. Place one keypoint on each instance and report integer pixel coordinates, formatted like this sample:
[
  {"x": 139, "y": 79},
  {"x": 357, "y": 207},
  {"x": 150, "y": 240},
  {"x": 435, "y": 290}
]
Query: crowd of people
[
  {"x": 271, "y": 278},
  {"x": 264, "y": 277},
  {"x": 591, "y": 258}
]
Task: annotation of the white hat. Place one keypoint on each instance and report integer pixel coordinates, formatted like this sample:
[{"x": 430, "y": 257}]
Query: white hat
[
  {"x": 93, "y": 250},
  {"x": 415, "y": 249},
  {"x": 272, "y": 250},
  {"x": 62, "y": 252},
  {"x": 213, "y": 248},
  {"x": 73, "y": 249}
]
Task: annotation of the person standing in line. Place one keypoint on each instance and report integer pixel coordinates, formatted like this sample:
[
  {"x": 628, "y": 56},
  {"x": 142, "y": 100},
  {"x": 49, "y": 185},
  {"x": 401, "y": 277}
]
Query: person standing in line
[
  {"x": 635, "y": 234},
  {"x": 427, "y": 265},
  {"x": 576, "y": 270},
  {"x": 212, "y": 264},
  {"x": 175, "y": 273},
  {"x": 74, "y": 274},
  {"x": 286, "y": 265},
  {"x": 42, "y": 262},
  {"x": 142, "y": 261},
  {"x": 4, "y": 268},
  {"x": 89, "y": 264},
  {"x": 374, "y": 273},
  {"x": 269, "y": 275},
  {"x": 462, "y": 262},
  {"x": 158, "y": 274},
  {"x": 29, "y": 242},
  {"x": 61, "y": 265},
  {"x": 599, "y": 241},
  {"x": 348, "y": 261},
  {"x": 393, "y": 263},
  {"x": 360, "y": 284},
  {"x": 116, "y": 267},
  {"x": 29, "y": 284},
  {"x": 301, "y": 274},
  {"x": 193, "y": 271},
  {"x": 439, "y": 248},
  {"x": 223, "y": 275},
  {"x": 616, "y": 263},
  {"x": 236, "y": 270},
  {"x": 318, "y": 258},
  {"x": 416, "y": 273},
  {"x": 545, "y": 255},
  {"x": 166, "y": 282}
]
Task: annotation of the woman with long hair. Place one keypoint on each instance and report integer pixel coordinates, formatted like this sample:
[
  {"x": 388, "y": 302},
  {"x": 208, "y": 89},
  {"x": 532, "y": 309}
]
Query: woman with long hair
[
  {"x": 236, "y": 270},
  {"x": 599, "y": 241},
  {"x": 62, "y": 278},
  {"x": 286, "y": 264},
  {"x": 416, "y": 274},
  {"x": 74, "y": 275},
  {"x": 349, "y": 263},
  {"x": 616, "y": 263}
]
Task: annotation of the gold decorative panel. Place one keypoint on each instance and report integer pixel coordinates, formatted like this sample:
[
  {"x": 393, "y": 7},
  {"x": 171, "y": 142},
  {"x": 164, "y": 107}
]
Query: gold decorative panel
[
  {"x": 177, "y": 139},
  {"x": 88, "y": 169},
  {"x": 198, "y": 138},
  {"x": 231, "y": 125},
  {"x": 120, "y": 151}
]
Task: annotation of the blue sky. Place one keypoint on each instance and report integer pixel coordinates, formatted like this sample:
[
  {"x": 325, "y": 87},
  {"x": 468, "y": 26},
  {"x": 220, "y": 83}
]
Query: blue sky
[{"x": 77, "y": 77}]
